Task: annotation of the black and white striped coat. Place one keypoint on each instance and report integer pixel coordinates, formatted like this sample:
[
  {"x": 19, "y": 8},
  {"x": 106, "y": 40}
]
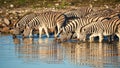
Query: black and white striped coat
[
  {"x": 75, "y": 25},
  {"x": 21, "y": 24},
  {"x": 78, "y": 13},
  {"x": 104, "y": 28},
  {"x": 46, "y": 20}
]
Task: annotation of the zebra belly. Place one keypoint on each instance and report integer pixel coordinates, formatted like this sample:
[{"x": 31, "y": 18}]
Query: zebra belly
[{"x": 107, "y": 34}]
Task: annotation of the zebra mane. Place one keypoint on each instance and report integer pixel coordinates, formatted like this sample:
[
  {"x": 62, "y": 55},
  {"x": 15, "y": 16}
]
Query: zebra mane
[
  {"x": 25, "y": 15},
  {"x": 16, "y": 24}
]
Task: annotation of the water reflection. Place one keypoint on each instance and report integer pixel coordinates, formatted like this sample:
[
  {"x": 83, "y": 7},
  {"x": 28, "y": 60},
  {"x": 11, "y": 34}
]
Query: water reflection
[
  {"x": 42, "y": 50},
  {"x": 16, "y": 41},
  {"x": 98, "y": 55}
]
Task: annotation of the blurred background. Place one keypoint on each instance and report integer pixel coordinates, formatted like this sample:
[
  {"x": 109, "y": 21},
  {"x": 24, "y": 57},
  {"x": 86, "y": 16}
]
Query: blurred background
[
  {"x": 13, "y": 10},
  {"x": 55, "y": 3}
]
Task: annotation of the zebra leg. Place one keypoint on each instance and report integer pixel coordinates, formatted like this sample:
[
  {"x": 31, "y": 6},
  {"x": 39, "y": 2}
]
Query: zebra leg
[
  {"x": 111, "y": 38},
  {"x": 55, "y": 34},
  {"x": 46, "y": 31},
  {"x": 58, "y": 31},
  {"x": 78, "y": 36},
  {"x": 118, "y": 34},
  {"x": 78, "y": 33},
  {"x": 30, "y": 33},
  {"x": 100, "y": 38},
  {"x": 92, "y": 38},
  {"x": 40, "y": 32}
]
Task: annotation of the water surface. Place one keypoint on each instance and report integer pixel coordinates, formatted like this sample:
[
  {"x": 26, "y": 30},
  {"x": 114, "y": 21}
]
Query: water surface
[{"x": 45, "y": 53}]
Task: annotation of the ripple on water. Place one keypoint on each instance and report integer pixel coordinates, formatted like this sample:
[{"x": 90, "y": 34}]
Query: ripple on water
[{"x": 46, "y": 53}]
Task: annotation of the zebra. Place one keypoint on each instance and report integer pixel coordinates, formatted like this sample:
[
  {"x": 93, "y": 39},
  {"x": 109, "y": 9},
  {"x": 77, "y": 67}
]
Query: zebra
[
  {"x": 21, "y": 24},
  {"x": 47, "y": 20},
  {"x": 104, "y": 28},
  {"x": 87, "y": 14},
  {"x": 108, "y": 13},
  {"x": 78, "y": 13},
  {"x": 75, "y": 25},
  {"x": 103, "y": 12}
]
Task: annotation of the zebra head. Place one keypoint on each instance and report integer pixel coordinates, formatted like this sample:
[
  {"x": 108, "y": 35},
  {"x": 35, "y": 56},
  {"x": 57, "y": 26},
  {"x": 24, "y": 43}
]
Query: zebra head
[
  {"x": 83, "y": 33},
  {"x": 86, "y": 30},
  {"x": 26, "y": 32},
  {"x": 65, "y": 36},
  {"x": 15, "y": 31},
  {"x": 82, "y": 37}
]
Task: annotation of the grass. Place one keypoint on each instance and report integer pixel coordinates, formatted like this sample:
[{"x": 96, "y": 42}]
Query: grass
[{"x": 55, "y": 3}]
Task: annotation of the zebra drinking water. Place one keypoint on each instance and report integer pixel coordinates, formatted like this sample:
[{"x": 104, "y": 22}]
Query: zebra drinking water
[
  {"x": 46, "y": 20},
  {"x": 104, "y": 28}
]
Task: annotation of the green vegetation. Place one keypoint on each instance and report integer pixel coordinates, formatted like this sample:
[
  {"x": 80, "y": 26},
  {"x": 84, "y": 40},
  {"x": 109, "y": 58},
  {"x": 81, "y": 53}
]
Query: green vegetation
[{"x": 55, "y": 3}]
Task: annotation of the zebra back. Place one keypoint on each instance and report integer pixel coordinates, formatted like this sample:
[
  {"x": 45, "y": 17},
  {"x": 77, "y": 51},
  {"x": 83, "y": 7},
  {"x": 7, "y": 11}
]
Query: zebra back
[
  {"x": 47, "y": 20},
  {"x": 78, "y": 13},
  {"x": 25, "y": 20},
  {"x": 107, "y": 27},
  {"x": 72, "y": 25},
  {"x": 76, "y": 25},
  {"x": 102, "y": 12},
  {"x": 34, "y": 23}
]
